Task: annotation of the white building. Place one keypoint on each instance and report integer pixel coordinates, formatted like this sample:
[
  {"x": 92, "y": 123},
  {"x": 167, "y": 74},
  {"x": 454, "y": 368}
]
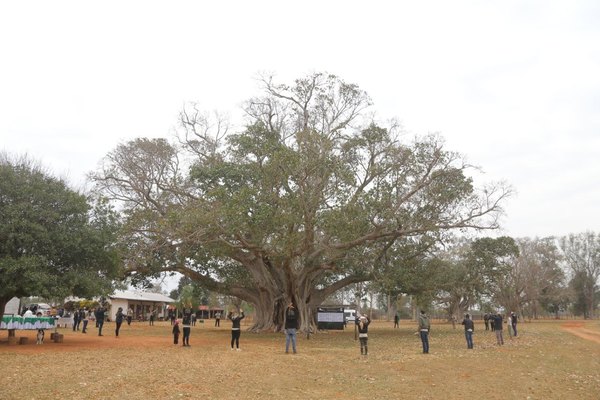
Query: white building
[
  {"x": 142, "y": 303},
  {"x": 12, "y": 307}
]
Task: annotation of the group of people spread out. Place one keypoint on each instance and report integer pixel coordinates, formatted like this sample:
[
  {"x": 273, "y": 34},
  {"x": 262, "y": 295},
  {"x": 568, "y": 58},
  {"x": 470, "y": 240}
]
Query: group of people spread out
[
  {"x": 82, "y": 316},
  {"x": 493, "y": 322},
  {"x": 424, "y": 329},
  {"x": 291, "y": 327}
]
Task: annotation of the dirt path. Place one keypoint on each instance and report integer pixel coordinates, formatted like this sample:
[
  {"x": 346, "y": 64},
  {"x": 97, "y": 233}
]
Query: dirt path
[{"x": 578, "y": 329}]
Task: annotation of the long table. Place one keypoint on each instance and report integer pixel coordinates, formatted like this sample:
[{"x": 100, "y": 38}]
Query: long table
[{"x": 17, "y": 322}]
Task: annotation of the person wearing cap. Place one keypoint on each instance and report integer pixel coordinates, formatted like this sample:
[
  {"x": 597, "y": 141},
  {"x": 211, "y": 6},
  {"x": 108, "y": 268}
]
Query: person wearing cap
[
  {"x": 363, "y": 330},
  {"x": 291, "y": 325},
  {"x": 469, "y": 329},
  {"x": 424, "y": 327}
]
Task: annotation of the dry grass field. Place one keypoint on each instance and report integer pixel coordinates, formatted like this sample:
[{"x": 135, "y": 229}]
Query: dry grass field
[{"x": 549, "y": 360}]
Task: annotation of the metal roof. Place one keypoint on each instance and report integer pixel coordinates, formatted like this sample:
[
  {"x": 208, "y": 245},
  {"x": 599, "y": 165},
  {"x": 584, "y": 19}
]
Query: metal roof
[{"x": 141, "y": 296}]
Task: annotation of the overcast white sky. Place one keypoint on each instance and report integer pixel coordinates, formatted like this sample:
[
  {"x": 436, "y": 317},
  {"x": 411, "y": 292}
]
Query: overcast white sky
[{"x": 513, "y": 85}]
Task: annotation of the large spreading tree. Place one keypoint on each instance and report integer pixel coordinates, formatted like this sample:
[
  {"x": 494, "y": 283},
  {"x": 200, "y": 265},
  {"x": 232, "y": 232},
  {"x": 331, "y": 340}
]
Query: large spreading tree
[
  {"x": 53, "y": 243},
  {"x": 300, "y": 203}
]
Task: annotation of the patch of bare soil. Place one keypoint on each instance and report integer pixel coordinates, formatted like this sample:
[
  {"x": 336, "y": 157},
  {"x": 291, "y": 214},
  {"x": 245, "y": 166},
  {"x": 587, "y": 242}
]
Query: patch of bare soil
[{"x": 578, "y": 329}]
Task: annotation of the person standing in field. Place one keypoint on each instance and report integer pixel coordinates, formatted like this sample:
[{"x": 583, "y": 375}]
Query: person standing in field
[
  {"x": 396, "y": 321},
  {"x": 152, "y": 315},
  {"x": 513, "y": 321},
  {"x": 75, "y": 320},
  {"x": 100, "y": 319},
  {"x": 424, "y": 328},
  {"x": 129, "y": 315},
  {"x": 81, "y": 317},
  {"x": 498, "y": 329},
  {"x": 509, "y": 325},
  {"x": 118, "y": 320},
  {"x": 235, "y": 328},
  {"x": 85, "y": 320},
  {"x": 486, "y": 321},
  {"x": 363, "y": 330},
  {"x": 469, "y": 329},
  {"x": 291, "y": 326},
  {"x": 176, "y": 332},
  {"x": 187, "y": 322},
  {"x": 218, "y": 319}
]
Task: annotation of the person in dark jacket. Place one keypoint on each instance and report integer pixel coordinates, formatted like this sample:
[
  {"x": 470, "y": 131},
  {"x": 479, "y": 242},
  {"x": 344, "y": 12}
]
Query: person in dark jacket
[
  {"x": 363, "y": 330},
  {"x": 469, "y": 329},
  {"x": 513, "y": 321},
  {"x": 81, "y": 317},
  {"x": 424, "y": 328},
  {"x": 291, "y": 326},
  {"x": 100, "y": 319},
  {"x": 235, "y": 328},
  {"x": 75, "y": 320},
  {"x": 396, "y": 321},
  {"x": 187, "y": 326},
  {"x": 486, "y": 321},
  {"x": 176, "y": 332},
  {"x": 498, "y": 328},
  {"x": 119, "y": 320}
]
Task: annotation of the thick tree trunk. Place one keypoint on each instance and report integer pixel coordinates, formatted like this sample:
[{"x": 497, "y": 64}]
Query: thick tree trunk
[
  {"x": 270, "y": 314},
  {"x": 3, "y": 302},
  {"x": 275, "y": 286}
]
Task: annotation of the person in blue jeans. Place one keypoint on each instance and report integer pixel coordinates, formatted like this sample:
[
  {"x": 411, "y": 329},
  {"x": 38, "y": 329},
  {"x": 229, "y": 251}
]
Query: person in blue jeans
[
  {"x": 469, "y": 329},
  {"x": 424, "y": 328},
  {"x": 291, "y": 325}
]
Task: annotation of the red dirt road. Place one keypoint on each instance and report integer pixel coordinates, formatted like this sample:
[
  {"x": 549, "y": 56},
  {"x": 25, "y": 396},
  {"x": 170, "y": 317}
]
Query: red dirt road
[{"x": 578, "y": 329}]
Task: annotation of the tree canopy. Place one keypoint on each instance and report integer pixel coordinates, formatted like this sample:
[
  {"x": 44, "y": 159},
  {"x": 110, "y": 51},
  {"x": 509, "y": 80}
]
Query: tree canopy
[
  {"x": 53, "y": 243},
  {"x": 305, "y": 200}
]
